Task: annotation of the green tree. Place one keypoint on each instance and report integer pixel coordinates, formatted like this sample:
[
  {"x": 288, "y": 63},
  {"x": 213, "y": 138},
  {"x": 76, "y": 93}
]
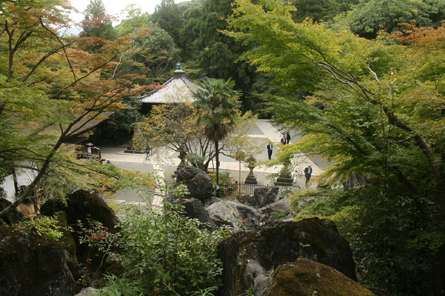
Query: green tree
[
  {"x": 135, "y": 21},
  {"x": 217, "y": 106},
  {"x": 320, "y": 10},
  {"x": 368, "y": 17},
  {"x": 99, "y": 24},
  {"x": 176, "y": 127},
  {"x": 49, "y": 91},
  {"x": 218, "y": 53},
  {"x": 370, "y": 110},
  {"x": 168, "y": 16},
  {"x": 151, "y": 57},
  {"x": 189, "y": 33}
]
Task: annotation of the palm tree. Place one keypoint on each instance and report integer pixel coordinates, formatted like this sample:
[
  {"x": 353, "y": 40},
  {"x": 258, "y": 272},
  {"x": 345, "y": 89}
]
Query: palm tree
[{"x": 217, "y": 106}]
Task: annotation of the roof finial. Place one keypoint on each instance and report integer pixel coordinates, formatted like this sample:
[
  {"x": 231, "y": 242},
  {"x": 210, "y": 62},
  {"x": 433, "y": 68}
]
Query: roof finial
[{"x": 179, "y": 72}]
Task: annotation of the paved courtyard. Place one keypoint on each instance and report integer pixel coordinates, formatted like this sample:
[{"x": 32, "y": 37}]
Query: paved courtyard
[{"x": 165, "y": 162}]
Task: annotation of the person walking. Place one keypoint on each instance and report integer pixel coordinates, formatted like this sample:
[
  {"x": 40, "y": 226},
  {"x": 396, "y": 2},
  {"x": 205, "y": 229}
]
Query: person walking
[
  {"x": 147, "y": 152},
  {"x": 308, "y": 173},
  {"x": 287, "y": 138},
  {"x": 269, "y": 150},
  {"x": 283, "y": 140}
]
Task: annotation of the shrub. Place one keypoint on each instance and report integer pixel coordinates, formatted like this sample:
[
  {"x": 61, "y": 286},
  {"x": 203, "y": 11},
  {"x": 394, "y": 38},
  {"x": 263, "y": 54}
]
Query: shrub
[
  {"x": 392, "y": 240},
  {"x": 166, "y": 253},
  {"x": 197, "y": 161},
  {"x": 324, "y": 203},
  {"x": 45, "y": 226},
  {"x": 389, "y": 231}
]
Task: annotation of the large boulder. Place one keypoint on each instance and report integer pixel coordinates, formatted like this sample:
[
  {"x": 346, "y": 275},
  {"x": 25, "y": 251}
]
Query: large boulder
[
  {"x": 305, "y": 277},
  {"x": 198, "y": 182},
  {"x": 256, "y": 277},
  {"x": 274, "y": 244},
  {"x": 194, "y": 209},
  {"x": 262, "y": 197},
  {"x": 277, "y": 211},
  {"x": 233, "y": 214},
  {"x": 31, "y": 265},
  {"x": 12, "y": 217},
  {"x": 85, "y": 207}
]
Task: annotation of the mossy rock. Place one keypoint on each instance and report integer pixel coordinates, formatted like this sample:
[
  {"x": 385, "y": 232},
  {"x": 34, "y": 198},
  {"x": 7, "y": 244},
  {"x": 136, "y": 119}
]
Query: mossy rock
[
  {"x": 32, "y": 266},
  {"x": 305, "y": 277},
  {"x": 275, "y": 244}
]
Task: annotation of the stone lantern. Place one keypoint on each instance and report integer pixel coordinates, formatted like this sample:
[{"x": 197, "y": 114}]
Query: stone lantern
[
  {"x": 285, "y": 177},
  {"x": 251, "y": 165}
]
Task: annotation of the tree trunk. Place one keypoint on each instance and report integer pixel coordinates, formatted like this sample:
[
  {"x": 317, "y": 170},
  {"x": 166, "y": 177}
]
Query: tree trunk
[{"x": 217, "y": 162}]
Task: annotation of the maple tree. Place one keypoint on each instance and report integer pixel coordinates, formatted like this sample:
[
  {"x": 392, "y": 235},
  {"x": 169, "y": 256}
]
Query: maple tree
[
  {"x": 374, "y": 107},
  {"x": 50, "y": 90},
  {"x": 99, "y": 24}
]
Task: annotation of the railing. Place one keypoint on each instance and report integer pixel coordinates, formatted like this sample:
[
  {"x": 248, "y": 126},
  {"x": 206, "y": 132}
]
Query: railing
[{"x": 241, "y": 189}]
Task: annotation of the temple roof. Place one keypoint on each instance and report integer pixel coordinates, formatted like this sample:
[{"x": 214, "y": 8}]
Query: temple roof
[{"x": 177, "y": 89}]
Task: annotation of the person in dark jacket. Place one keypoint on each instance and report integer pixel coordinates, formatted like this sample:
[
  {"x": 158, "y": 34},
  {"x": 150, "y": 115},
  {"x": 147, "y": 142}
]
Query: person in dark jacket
[
  {"x": 308, "y": 173},
  {"x": 269, "y": 150}
]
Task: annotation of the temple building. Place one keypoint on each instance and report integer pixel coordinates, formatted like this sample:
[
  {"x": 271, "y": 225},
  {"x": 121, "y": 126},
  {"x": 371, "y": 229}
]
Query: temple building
[{"x": 178, "y": 89}]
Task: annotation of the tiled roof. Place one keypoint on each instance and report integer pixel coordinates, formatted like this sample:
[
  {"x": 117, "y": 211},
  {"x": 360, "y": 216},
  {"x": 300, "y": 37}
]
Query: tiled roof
[
  {"x": 178, "y": 89},
  {"x": 86, "y": 125}
]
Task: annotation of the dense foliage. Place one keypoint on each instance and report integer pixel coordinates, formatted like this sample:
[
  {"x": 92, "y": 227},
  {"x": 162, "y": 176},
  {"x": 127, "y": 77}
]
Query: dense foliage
[
  {"x": 50, "y": 91},
  {"x": 373, "y": 108},
  {"x": 165, "y": 253}
]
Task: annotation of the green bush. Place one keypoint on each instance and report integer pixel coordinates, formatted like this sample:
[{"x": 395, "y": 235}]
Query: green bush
[
  {"x": 389, "y": 231},
  {"x": 324, "y": 203},
  {"x": 166, "y": 253},
  {"x": 394, "y": 245},
  {"x": 196, "y": 160},
  {"x": 45, "y": 226}
]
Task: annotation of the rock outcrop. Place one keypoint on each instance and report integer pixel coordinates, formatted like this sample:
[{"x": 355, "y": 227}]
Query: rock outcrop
[
  {"x": 305, "y": 277},
  {"x": 233, "y": 214},
  {"x": 194, "y": 209},
  {"x": 275, "y": 244},
  {"x": 85, "y": 206},
  {"x": 33, "y": 266},
  {"x": 199, "y": 184},
  {"x": 262, "y": 197}
]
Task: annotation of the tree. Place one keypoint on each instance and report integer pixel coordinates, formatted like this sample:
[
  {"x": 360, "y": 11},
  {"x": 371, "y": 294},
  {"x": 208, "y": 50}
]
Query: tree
[
  {"x": 368, "y": 17},
  {"x": 135, "y": 21},
  {"x": 152, "y": 57},
  {"x": 50, "y": 90},
  {"x": 175, "y": 126},
  {"x": 217, "y": 105},
  {"x": 370, "y": 110},
  {"x": 168, "y": 17},
  {"x": 99, "y": 24},
  {"x": 220, "y": 53},
  {"x": 319, "y": 10}
]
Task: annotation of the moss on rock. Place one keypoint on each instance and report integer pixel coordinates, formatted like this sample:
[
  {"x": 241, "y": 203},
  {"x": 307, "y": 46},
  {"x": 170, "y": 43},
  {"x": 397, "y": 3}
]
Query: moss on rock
[{"x": 305, "y": 277}]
